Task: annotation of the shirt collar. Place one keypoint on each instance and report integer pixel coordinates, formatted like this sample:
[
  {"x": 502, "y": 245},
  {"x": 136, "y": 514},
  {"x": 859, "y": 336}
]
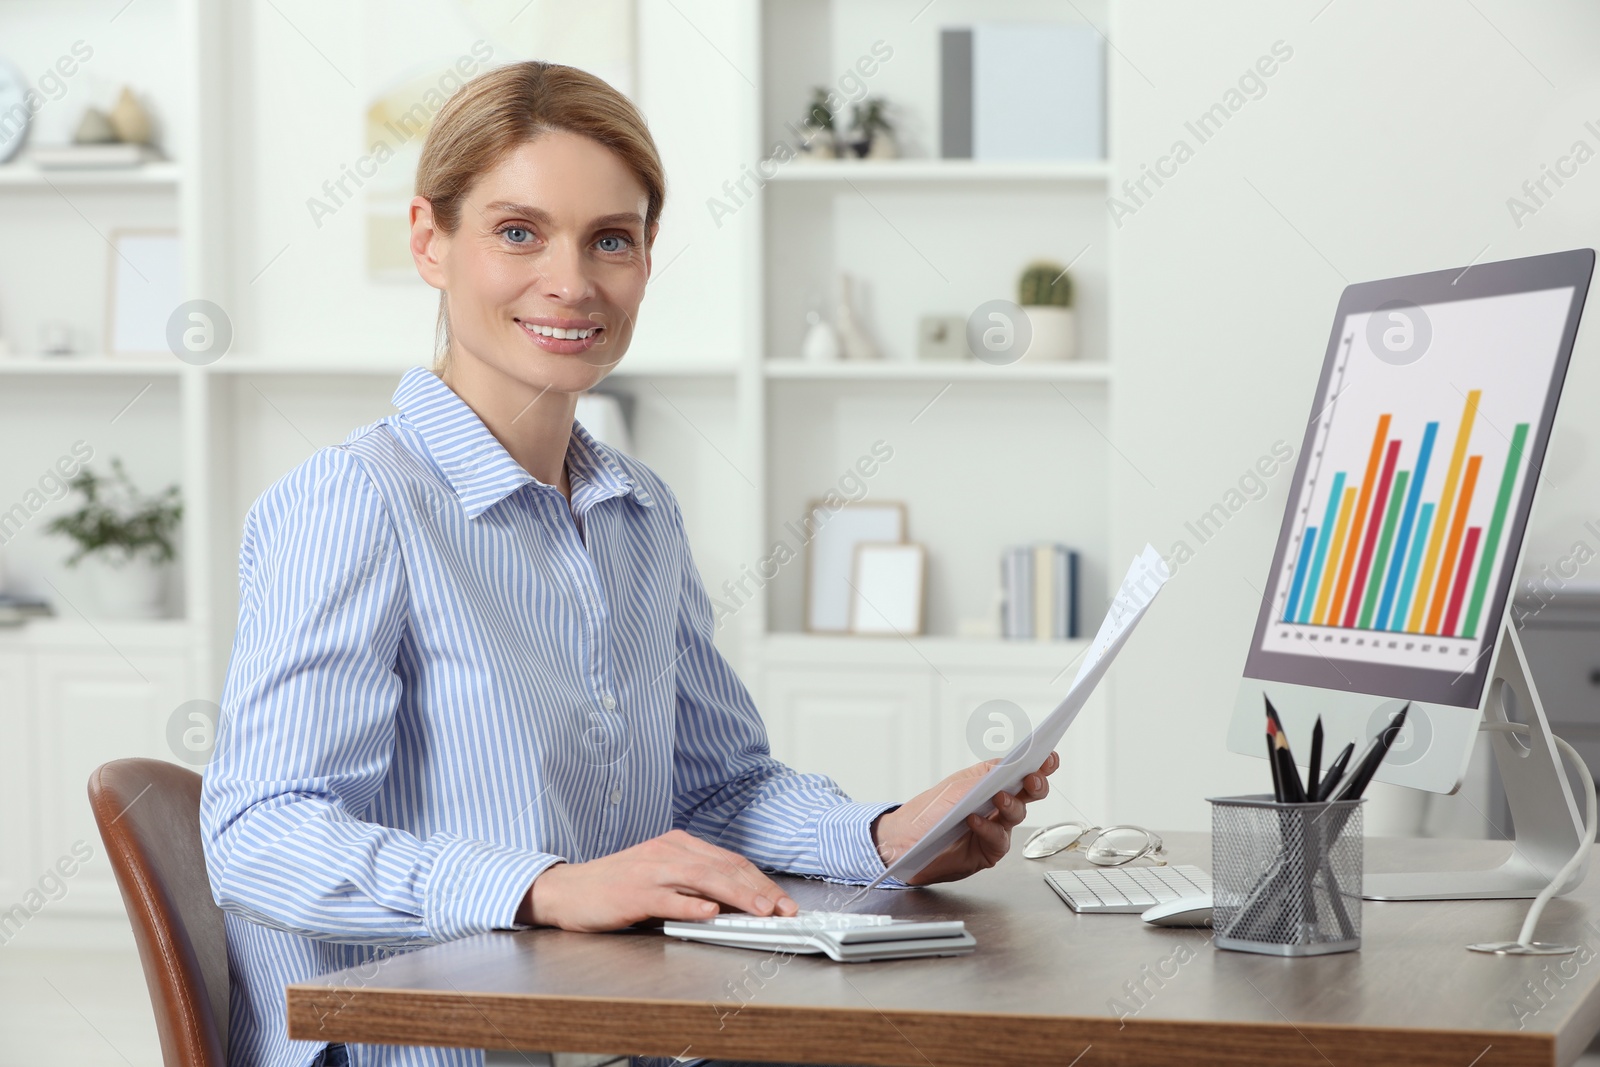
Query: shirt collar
[{"x": 478, "y": 467}]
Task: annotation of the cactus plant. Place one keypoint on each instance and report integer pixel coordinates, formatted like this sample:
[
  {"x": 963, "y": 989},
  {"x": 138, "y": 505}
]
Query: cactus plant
[{"x": 1045, "y": 284}]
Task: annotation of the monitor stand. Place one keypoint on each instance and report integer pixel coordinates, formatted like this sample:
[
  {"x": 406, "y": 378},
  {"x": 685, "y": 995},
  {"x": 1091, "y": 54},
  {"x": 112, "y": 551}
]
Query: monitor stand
[{"x": 1544, "y": 815}]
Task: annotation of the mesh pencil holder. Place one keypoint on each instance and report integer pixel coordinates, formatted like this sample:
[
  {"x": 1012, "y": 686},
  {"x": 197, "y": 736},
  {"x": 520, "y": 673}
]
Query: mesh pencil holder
[{"x": 1286, "y": 878}]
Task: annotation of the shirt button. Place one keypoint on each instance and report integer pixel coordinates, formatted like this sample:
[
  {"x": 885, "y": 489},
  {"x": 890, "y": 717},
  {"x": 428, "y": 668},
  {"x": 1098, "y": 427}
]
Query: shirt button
[
  {"x": 616, "y": 796},
  {"x": 608, "y": 702}
]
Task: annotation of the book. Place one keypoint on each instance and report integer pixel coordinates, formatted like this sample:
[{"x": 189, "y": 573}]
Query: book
[
  {"x": 955, "y": 93},
  {"x": 1036, "y": 92},
  {"x": 1039, "y": 592}
]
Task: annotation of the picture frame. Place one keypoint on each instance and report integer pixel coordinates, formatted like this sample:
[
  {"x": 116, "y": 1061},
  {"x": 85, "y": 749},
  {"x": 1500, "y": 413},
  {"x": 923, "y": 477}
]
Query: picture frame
[
  {"x": 144, "y": 285},
  {"x": 888, "y": 589},
  {"x": 830, "y": 556}
]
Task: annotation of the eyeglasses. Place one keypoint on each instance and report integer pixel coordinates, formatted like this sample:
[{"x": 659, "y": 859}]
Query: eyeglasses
[{"x": 1111, "y": 846}]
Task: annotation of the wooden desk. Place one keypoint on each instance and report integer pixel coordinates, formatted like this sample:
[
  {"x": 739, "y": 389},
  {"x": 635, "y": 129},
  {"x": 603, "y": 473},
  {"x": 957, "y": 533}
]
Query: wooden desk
[{"x": 1043, "y": 987}]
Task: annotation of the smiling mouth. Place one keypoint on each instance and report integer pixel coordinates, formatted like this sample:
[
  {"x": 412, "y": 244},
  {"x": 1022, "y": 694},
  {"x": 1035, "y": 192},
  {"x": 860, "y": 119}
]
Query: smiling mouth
[
  {"x": 568, "y": 337},
  {"x": 559, "y": 333}
]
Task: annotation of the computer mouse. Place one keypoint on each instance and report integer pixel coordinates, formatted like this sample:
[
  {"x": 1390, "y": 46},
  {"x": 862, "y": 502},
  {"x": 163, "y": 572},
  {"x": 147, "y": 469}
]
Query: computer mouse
[{"x": 1185, "y": 911}]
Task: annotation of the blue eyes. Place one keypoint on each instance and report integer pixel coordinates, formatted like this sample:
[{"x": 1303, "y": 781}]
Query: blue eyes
[{"x": 610, "y": 243}]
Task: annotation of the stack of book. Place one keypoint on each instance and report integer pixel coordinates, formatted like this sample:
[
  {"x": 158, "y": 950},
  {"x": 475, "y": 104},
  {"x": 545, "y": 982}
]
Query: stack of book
[
  {"x": 1039, "y": 593},
  {"x": 16, "y": 609}
]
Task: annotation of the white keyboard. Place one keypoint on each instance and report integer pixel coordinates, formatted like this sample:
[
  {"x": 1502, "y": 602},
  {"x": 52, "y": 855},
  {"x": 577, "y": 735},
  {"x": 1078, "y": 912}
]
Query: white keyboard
[
  {"x": 1127, "y": 889},
  {"x": 842, "y": 936}
]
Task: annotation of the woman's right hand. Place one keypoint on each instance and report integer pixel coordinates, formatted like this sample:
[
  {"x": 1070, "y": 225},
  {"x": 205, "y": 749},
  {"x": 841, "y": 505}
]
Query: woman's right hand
[{"x": 674, "y": 876}]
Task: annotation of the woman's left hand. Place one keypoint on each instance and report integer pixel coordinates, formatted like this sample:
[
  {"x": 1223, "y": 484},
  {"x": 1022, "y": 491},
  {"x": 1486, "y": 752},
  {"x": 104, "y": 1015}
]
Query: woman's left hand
[{"x": 987, "y": 839}]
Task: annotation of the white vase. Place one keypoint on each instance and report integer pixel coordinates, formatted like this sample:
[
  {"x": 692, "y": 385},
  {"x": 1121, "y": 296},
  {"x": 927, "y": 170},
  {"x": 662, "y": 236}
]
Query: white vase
[
  {"x": 1055, "y": 333},
  {"x": 134, "y": 589}
]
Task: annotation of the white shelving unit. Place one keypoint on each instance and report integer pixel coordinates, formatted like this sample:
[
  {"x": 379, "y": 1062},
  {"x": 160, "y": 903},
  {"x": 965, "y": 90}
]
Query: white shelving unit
[
  {"x": 745, "y": 432},
  {"x": 984, "y": 455}
]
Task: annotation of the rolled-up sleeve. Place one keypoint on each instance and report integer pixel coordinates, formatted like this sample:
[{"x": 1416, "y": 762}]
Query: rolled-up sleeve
[
  {"x": 729, "y": 789},
  {"x": 307, "y": 735}
]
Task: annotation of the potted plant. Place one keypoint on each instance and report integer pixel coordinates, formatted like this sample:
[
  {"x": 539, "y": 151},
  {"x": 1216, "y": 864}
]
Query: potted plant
[
  {"x": 818, "y": 140},
  {"x": 871, "y": 133},
  {"x": 127, "y": 537},
  {"x": 1045, "y": 293}
]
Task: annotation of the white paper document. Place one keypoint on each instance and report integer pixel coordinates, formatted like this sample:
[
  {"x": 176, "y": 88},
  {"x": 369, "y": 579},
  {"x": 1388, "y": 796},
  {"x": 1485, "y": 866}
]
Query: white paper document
[{"x": 1139, "y": 588}]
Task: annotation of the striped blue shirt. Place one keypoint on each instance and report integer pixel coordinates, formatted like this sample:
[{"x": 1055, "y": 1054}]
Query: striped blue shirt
[{"x": 444, "y": 680}]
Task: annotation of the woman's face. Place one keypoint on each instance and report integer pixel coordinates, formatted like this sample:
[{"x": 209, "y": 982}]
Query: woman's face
[{"x": 548, "y": 264}]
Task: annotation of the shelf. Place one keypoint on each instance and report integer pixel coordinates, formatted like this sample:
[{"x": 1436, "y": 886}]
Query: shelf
[
  {"x": 25, "y": 175},
  {"x": 89, "y": 365},
  {"x": 1097, "y": 371},
  {"x": 243, "y": 364},
  {"x": 73, "y": 632},
  {"x": 73, "y": 365},
  {"x": 938, "y": 171},
  {"x": 802, "y": 649}
]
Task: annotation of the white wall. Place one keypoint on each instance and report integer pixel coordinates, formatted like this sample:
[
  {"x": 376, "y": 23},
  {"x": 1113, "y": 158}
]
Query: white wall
[
  {"x": 300, "y": 122},
  {"x": 1386, "y": 145}
]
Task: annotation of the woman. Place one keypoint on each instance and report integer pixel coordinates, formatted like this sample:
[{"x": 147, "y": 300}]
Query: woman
[{"x": 473, "y": 685}]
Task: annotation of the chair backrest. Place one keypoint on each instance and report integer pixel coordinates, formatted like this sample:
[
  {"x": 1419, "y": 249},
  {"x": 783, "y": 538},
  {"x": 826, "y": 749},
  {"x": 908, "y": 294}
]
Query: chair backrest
[{"x": 148, "y": 812}]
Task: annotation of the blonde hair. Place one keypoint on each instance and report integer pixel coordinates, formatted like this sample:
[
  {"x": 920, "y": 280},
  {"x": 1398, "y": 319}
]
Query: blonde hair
[{"x": 509, "y": 106}]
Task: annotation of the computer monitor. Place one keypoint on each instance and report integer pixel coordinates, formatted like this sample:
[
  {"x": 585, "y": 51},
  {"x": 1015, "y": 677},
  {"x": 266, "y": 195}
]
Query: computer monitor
[{"x": 1404, "y": 526}]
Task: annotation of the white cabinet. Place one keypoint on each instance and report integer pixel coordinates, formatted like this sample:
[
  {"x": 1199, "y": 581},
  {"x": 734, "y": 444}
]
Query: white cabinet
[
  {"x": 870, "y": 730},
  {"x": 90, "y": 708},
  {"x": 76, "y": 697},
  {"x": 836, "y": 706},
  {"x": 16, "y": 846}
]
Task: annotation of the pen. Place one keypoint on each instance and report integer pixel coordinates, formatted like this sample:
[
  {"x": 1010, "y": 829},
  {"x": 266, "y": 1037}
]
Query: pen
[
  {"x": 1314, "y": 769},
  {"x": 1362, "y": 775},
  {"x": 1335, "y": 772}
]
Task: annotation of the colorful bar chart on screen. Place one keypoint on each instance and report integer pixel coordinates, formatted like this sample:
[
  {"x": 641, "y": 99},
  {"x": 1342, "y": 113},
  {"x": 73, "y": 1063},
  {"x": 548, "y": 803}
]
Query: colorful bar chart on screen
[
  {"x": 1405, "y": 510},
  {"x": 1359, "y": 581}
]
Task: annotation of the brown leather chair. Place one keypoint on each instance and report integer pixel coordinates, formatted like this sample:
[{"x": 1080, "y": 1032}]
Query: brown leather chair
[{"x": 148, "y": 812}]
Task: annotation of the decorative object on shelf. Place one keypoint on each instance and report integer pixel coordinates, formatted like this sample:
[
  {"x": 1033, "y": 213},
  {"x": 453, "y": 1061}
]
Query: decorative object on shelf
[
  {"x": 854, "y": 339},
  {"x": 14, "y": 106},
  {"x": 941, "y": 338},
  {"x": 602, "y": 415},
  {"x": 1045, "y": 293},
  {"x": 887, "y": 589},
  {"x": 94, "y": 128},
  {"x": 145, "y": 287},
  {"x": 130, "y": 119},
  {"x": 818, "y": 140},
  {"x": 996, "y": 79},
  {"x": 1039, "y": 593},
  {"x": 831, "y": 551},
  {"x": 127, "y": 537},
  {"x": 55, "y": 338},
  {"x": 821, "y": 344},
  {"x": 16, "y": 609},
  {"x": 871, "y": 135}
]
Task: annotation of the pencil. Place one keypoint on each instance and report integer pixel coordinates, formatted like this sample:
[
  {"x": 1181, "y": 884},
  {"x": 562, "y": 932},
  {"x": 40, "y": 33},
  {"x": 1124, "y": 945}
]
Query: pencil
[
  {"x": 1314, "y": 770},
  {"x": 1272, "y": 761},
  {"x": 1293, "y": 791}
]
